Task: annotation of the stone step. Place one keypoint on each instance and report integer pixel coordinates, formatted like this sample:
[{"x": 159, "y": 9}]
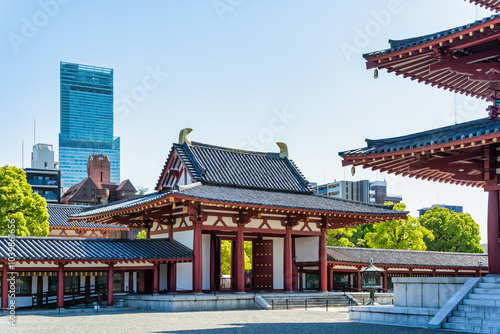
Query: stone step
[
  {"x": 487, "y": 285},
  {"x": 490, "y": 290},
  {"x": 481, "y": 302},
  {"x": 475, "y": 321},
  {"x": 479, "y": 308},
  {"x": 475, "y": 314},
  {"x": 471, "y": 328},
  {"x": 491, "y": 279},
  {"x": 488, "y": 296}
]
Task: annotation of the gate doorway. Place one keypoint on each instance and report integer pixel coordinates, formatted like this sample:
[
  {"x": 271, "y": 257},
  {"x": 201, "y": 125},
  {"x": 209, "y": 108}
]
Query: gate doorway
[{"x": 262, "y": 264}]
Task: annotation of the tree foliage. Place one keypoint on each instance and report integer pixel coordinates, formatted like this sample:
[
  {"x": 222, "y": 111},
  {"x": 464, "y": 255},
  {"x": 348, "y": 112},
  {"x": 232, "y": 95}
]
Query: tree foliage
[
  {"x": 399, "y": 233},
  {"x": 453, "y": 232},
  {"x": 141, "y": 235},
  {"x": 225, "y": 250},
  {"x": 349, "y": 236},
  {"x": 18, "y": 203}
]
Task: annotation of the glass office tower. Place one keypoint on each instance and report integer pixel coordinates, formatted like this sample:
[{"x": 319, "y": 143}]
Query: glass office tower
[{"x": 86, "y": 121}]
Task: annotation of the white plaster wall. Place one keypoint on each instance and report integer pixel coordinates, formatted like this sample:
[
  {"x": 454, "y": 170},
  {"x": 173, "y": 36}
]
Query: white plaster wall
[
  {"x": 184, "y": 276},
  {"x": 134, "y": 277},
  {"x": 185, "y": 270},
  {"x": 163, "y": 283},
  {"x": 205, "y": 239},
  {"x": 275, "y": 224},
  {"x": 162, "y": 235},
  {"x": 277, "y": 262},
  {"x": 92, "y": 280},
  {"x": 185, "y": 238},
  {"x": 22, "y": 301},
  {"x": 307, "y": 249},
  {"x": 34, "y": 284},
  {"x": 45, "y": 283},
  {"x": 126, "y": 276}
]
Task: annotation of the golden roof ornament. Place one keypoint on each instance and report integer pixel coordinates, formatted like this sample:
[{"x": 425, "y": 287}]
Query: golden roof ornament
[
  {"x": 183, "y": 136},
  {"x": 283, "y": 150}
]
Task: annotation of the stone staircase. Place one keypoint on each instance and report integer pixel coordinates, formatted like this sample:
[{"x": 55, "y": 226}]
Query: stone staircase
[{"x": 480, "y": 310}]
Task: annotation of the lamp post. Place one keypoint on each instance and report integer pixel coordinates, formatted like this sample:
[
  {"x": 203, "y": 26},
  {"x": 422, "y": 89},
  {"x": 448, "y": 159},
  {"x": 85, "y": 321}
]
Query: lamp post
[
  {"x": 480, "y": 264},
  {"x": 371, "y": 280}
]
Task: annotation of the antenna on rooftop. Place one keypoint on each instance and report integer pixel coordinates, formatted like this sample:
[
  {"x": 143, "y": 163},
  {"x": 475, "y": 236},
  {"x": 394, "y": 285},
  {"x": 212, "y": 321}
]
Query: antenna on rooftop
[{"x": 34, "y": 131}]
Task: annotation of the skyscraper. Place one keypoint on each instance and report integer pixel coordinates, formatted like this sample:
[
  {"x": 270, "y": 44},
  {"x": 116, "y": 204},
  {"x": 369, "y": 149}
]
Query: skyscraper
[{"x": 86, "y": 121}]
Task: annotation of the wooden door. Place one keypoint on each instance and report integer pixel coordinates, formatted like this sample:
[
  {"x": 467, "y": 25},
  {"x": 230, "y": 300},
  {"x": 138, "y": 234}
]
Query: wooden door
[{"x": 262, "y": 264}]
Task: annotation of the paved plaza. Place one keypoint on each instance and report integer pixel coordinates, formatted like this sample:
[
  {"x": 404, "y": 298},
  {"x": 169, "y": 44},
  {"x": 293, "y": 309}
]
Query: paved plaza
[{"x": 216, "y": 322}]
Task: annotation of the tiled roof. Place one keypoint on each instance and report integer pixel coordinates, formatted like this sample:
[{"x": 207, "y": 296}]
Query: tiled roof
[
  {"x": 403, "y": 44},
  {"x": 120, "y": 205},
  {"x": 58, "y": 217},
  {"x": 232, "y": 167},
  {"x": 283, "y": 199},
  {"x": 437, "y": 136},
  {"x": 251, "y": 197},
  {"x": 405, "y": 257},
  {"x": 489, "y": 4},
  {"x": 39, "y": 248}
]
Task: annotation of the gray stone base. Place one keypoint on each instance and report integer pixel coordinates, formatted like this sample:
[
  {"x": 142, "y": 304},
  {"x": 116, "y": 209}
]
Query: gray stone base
[
  {"x": 392, "y": 315},
  {"x": 191, "y": 302}
]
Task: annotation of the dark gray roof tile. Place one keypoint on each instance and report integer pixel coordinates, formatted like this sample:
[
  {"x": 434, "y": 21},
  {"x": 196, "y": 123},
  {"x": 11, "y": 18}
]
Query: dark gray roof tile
[{"x": 39, "y": 248}]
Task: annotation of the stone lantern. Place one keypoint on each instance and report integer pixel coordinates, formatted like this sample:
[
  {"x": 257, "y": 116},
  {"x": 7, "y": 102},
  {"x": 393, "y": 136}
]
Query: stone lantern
[{"x": 371, "y": 280}]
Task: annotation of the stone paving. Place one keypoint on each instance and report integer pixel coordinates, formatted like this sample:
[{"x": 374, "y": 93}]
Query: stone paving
[{"x": 216, "y": 322}]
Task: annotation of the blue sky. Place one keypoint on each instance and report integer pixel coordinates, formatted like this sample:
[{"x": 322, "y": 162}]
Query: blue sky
[{"x": 241, "y": 73}]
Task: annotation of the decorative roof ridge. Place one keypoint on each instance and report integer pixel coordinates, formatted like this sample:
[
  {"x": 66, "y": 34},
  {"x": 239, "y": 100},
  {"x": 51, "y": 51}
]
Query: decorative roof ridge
[
  {"x": 227, "y": 185},
  {"x": 189, "y": 186},
  {"x": 87, "y": 239},
  {"x": 405, "y": 250},
  {"x": 372, "y": 144},
  {"x": 302, "y": 179},
  {"x": 237, "y": 150},
  {"x": 199, "y": 168},
  {"x": 397, "y": 45},
  {"x": 89, "y": 208}
]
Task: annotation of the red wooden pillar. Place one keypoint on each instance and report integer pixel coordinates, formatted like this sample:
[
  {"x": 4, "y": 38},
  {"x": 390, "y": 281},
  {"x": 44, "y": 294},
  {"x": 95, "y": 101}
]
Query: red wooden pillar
[
  {"x": 110, "y": 284},
  {"x": 240, "y": 260},
  {"x": 60, "y": 286},
  {"x": 410, "y": 272},
  {"x": 155, "y": 278},
  {"x": 323, "y": 270},
  {"x": 385, "y": 281},
  {"x": 456, "y": 272},
  {"x": 295, "y": 273},
  {"x": 5, "y": 287},
  {"x": 171, "y": 266},
  {"x": 197, "y": 261},
  {"x": 172, "y": 276},
  {"x": 330, "y": 278},
  {"x": 434, "y": 272},
  {"x": 358, "y": 280},
  {"x": 493, "y": 233},
  {"x": 287, "y": 260},
  {"x": 39, "y": 289}
]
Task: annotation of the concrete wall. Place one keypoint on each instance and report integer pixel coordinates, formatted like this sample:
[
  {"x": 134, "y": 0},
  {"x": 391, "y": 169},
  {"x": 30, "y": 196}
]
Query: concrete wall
[
  {"x": 190, "y": 302},
  {"x": 425, "y": 291}
]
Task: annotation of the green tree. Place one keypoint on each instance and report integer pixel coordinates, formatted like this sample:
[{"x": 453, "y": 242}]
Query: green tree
[
  {"x": 225, "y": 250},
  {"x": 453, "y": 232},
  {"x": 349, "y": 236},
  {"x": 18, "y": 203},
  {"x": 141, "y": 234},
  {"x": 142, "y": 190},
  {"x": 399, "y": 233}
]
